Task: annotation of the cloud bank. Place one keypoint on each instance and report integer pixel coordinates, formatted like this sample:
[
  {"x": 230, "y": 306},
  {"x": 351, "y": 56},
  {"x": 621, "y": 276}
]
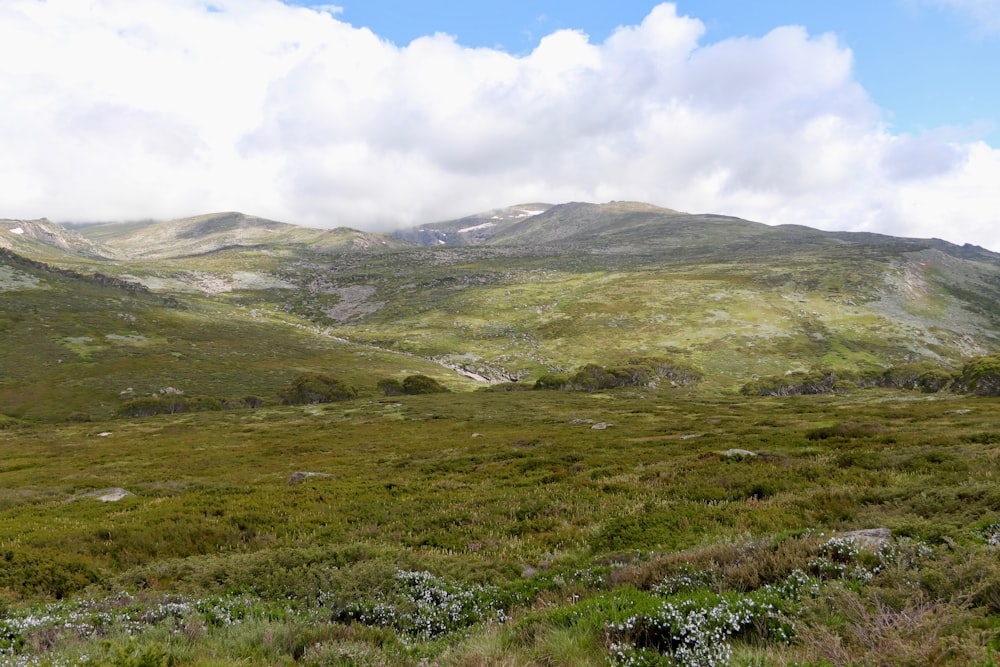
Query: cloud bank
[{"x": 122, "y": 110}]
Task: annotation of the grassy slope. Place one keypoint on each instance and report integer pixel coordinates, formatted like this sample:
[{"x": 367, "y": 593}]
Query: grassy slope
[
  {"x": 599, "y": 283},
  {"x": 735, "y": 319},
  {"x": 71, "y": 345}
]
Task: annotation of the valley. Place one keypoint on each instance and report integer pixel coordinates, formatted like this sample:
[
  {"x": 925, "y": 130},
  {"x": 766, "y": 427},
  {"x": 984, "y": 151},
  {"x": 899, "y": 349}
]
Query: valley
[{"x": 600, "y": 483}]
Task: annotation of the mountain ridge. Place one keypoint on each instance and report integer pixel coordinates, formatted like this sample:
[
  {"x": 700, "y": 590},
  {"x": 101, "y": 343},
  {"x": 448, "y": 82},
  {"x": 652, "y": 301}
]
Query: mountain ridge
[
  {"x": 531, "y": 289},
  {"x": 211, "y": 232}
]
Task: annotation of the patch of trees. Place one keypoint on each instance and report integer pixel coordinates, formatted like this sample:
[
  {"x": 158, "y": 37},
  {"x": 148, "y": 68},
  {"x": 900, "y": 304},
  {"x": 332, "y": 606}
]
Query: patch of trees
[
  {"x": 979, "y": 376},
  {"x": 168, "y": 404},
  {"x": 304, "y": 389},
  {"x": 171, "y": 404},
  {"x": 411, "y": 385},
  {"x": 649, "y": 372},
  {"x": 309, "y": 388}
]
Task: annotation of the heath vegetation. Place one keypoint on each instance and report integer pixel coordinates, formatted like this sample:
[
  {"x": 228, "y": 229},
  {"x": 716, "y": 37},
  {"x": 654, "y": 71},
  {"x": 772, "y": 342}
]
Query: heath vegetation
[{"x": 600, "y": 435}]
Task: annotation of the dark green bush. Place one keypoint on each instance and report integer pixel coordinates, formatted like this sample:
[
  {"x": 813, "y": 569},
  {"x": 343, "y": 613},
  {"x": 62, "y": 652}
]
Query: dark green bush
[
  {"x": 845, "y": 430},
  {"x": 310, "y": 388},
  {"x": 637, "y": 372},
  {"x": 981, "y": 376},
  {"x": 421, "y": 384},
  {"x": 503, "y": 387},
  {"x": 145, "y": 406},
  {"x": 201, "y": 404},
  {"x": 552, "y": 381},
  {"x": 390, "y": 387},
  {"x": 245, "y": 402}
]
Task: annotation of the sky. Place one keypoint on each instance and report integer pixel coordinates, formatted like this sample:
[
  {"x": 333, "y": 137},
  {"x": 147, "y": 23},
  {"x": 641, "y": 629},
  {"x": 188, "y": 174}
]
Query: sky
[{"x": 858, "y": 115}]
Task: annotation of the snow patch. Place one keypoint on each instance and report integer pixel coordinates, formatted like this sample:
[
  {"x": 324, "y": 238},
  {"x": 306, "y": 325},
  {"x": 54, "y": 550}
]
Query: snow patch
[
  {"x": 17, "y": 230},
  {"x": 485, "y": 225}
]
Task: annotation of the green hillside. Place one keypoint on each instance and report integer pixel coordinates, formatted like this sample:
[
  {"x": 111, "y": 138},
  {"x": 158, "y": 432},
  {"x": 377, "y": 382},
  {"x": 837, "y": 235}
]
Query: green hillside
[
  {"x": 576, "y": 284},
  {"x": 80, "y": 344}
]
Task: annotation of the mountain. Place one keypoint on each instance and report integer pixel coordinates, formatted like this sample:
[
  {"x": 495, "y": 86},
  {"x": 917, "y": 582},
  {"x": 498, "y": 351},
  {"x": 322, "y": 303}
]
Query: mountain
[
  {"x": 472, "y": 229},
  {"x": 45, "y": 239},
  {"x": 530, "y": 289},
  {"x": 638, "y": 228},
  {"x": 209, "y": 233}
]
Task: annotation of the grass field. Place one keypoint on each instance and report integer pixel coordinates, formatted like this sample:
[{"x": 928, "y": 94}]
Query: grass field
[{"x": 509, "y": 528}]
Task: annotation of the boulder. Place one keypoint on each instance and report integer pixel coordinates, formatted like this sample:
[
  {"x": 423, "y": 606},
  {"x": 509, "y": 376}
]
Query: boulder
[{"x": 738, "y": 453}]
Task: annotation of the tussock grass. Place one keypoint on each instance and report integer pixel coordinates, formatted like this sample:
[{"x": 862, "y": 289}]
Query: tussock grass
[{"x": 556, "y": 523}]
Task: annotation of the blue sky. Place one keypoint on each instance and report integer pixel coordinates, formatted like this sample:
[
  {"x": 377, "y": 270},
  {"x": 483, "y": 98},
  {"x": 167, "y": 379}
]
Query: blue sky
[
  {"x": 927, "y": 64},
  {"x": 858, "y": 115}
]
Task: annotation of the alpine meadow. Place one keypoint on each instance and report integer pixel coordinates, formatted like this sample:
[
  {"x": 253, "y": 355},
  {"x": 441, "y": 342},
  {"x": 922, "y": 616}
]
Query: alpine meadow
[{"x": 546, "y": 434}]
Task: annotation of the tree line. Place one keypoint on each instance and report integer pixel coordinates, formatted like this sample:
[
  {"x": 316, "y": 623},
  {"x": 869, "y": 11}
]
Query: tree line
[{"x": 980, "y": 376}]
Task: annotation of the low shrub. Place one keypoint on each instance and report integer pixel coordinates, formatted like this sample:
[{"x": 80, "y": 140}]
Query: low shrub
[
  {"x": 421, "y": 605},
  {"x": 390, "y": 387},
  {"x": 846, "y": 430}
]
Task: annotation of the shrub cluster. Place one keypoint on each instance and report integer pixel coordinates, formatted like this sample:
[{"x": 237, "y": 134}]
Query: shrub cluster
[
  {"x": 694, "y": 624},
  {"x": 305, "y": 389},
  {"x": 170, "y": 404},
  {"x": 917, "y": 377},
  {"x": 411, "y": 385},
  {"x": 427, "y": 607},
  {"x": 310, "y": 388},
  {"x": 695, "y": 629},
  {"x": 979, "y": 376},
  {"x": 636, "y": 372}
]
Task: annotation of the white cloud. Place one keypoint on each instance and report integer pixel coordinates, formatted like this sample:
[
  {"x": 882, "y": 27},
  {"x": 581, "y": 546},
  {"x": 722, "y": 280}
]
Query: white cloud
[
  {"x": 117, "y": 109},
  {"x": 985, "y": 14}
]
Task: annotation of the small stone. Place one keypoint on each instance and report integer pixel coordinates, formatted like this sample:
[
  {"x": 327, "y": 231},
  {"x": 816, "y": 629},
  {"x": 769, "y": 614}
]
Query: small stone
[
  {"x": 599, "y": 426},
  {"x": 738, "y": 453}
]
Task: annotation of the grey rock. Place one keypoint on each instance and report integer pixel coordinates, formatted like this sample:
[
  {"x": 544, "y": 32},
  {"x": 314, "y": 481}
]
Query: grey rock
[
  {"x": 109, "y": 495},
  {"x": 869, "y": 538},
  {"x": 738, "y": 453}
]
